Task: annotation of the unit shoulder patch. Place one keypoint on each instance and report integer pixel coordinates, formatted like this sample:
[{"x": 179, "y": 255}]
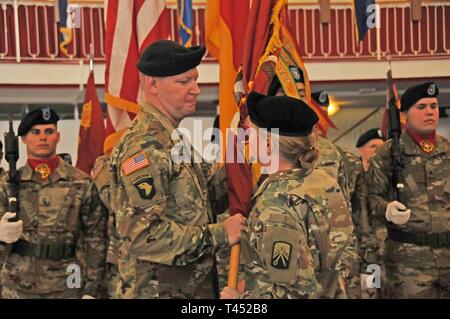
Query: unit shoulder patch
[
  {"x": 145, "y": 187},
  {"x": 280, "y": 251},
  {"x": 281, "y": 254}
]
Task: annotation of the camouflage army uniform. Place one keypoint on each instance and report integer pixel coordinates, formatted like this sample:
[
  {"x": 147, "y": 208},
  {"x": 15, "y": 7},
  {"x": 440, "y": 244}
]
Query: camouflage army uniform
[
  {"x": 163, "y": 215},
  {"x": 294, "y": 236},
  {"x": 102, "y": 179},
  {"x": 338, "y": 164},
  {"x": 352, "y": 165},
  {"x": 58, "y": 215},
  {"x": 418, "y": 252},
  {"x": 364, "y": 223},
  {"x": 331, "y": 161}
]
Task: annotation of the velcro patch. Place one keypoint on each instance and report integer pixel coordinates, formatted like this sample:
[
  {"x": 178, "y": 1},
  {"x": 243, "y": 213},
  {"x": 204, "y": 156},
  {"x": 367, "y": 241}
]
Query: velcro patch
[
  {"x": 135, "y": 163},
  {"x": 281, "y": 254},
  {"x": 145, "y": 187},
  {"x": 281, "y": 250}
]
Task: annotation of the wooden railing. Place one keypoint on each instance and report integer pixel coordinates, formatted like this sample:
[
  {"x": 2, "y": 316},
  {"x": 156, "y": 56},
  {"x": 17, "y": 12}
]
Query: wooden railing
[{"x": 28, "y": 32}]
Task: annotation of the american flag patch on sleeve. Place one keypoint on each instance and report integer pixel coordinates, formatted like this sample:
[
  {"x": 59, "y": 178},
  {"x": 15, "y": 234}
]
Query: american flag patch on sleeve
[{"x": 135, "y": 163}]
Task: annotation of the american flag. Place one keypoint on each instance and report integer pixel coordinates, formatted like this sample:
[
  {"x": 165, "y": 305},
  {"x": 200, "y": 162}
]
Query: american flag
[
  {"x": 135, "y": 163},
  {"x": 131, "y": 26}
]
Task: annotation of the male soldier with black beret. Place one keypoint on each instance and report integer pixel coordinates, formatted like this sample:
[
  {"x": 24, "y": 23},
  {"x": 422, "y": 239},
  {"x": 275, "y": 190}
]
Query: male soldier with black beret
[
  {"x": 59, "y": 211},
  {"x": 418, "y": 222},
  {"x": 163, "y": 205},
  {"x": 368, "y": 247}
]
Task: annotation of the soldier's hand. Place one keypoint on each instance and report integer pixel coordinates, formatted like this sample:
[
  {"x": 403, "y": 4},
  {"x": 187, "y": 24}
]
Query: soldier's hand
[
  {"x": 233, "y": 226},
  {"x": 10, "y": 231},
  {"x": 397, "y": 213},
  {"x": 87, "y": 297},
  {"x": 229, "y": 293}
]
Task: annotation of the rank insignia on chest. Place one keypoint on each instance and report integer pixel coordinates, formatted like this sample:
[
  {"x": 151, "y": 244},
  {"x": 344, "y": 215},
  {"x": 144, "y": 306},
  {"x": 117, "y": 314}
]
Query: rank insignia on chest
[
  {"x": 281, "y": 255},
  {"x": 145, "y": 187},
  {"x": 43, "y": 171},
  {"x": 427, "y": 146}
]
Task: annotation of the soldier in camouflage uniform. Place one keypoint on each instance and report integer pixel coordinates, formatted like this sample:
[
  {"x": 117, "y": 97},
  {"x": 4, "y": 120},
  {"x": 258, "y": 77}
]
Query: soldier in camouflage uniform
[
  {"x": 60, "y": 210},
  {"x": 418, "y": 245},
  {"x": 163, "y": 205},
  {"x": 367, "y": 144},
  {"x": 300, "y": 223},
  {"x": 340, "y": 164},
  {"x": 102, "y": 179}
]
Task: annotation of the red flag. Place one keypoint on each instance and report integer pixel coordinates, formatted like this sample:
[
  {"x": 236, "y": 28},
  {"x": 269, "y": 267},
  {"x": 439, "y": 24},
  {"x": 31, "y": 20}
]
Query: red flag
[
  {"x": 225, "y": 25},
  {"x": 92, "y": 129},
  {"x": 256, "y": 37},
  {"x": 130, "y": 27}
]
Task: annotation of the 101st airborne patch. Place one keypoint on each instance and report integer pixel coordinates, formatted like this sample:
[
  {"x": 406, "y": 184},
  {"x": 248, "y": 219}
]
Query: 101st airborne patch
[
  {"x": 281, "y": 254},
  {"x": 145, "y": 187}
]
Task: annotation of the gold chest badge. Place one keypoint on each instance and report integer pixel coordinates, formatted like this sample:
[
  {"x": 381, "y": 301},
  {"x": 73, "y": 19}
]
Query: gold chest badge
[
  {"x": 43, "y": 171},
  {"x": 427, "y": 146}
]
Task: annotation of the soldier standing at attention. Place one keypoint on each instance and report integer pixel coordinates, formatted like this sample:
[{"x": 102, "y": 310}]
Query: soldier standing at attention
[
  {"x": 363, "y": 218},
  {"x": 300, "y": 223},
  {"x": 60, "y": 211},
  {"x": 341, "y": 165},
  {"x": 418, "y": 222},
  {"x": 163, "y": 205}
]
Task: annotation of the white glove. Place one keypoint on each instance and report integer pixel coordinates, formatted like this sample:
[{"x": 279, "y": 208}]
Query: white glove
[
  {"x": 10, "y": 231},
  {"x": 397, "y": 213},
  {"x": 87, "y": 297}
]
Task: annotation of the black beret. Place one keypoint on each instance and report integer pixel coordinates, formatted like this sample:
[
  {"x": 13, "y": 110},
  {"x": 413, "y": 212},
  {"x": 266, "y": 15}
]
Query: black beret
[
  {"x": 292, "y": 116},
  {"x": 371, "y": 134},
  {"x": 275, "y": 85},
  {"x": 40, "y": 116},
  {"x": 417, "y": 92},
  {"x": 321, "y": 98},
  {"x": 166, "y": 58}
]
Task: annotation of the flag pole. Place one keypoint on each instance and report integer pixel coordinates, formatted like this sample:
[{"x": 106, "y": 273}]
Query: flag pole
[
  {"x": 91, "y": 57},
  {"x": 233, "y": 273}
]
